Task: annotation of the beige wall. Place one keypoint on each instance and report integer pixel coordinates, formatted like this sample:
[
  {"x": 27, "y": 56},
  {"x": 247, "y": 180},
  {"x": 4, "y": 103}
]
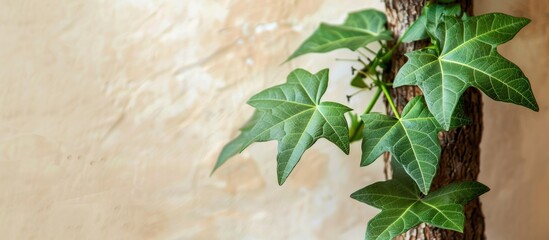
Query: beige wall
[
  {"x": 515, "y": 156},
  {"x": 113, "y": 112}
]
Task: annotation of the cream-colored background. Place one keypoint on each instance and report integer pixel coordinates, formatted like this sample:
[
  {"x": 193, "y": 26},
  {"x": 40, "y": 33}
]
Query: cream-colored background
[{"x": 113, "y": 112}]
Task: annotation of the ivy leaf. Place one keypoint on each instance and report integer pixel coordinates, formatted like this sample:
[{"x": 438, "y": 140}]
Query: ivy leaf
[
  {"x": 403, "y": 207},
  {"x": 416, "y": 31},
  {"x": 468, "y": 59},
  {"x": 293, "y": 114},
  {"x": 380, "y": 60},
  {"x": 238, "y": 144},
  {"x": 360, "y": 29},
  {"x": 436, "y": 13},
  {"x": 429, "y": 20},
  {"x": 412, "y": 140}
]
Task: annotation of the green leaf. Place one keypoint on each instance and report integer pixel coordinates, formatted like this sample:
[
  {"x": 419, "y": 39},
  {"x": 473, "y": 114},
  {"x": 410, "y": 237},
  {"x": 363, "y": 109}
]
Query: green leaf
[
  {"x": 358, "y": 81},
  {"x": 436, "y": 13},
  {"x": 403, "y": 207},
  {"x": 468, "y": 59},
  {"x": 239, "y": 143},
  {"x": 416, "y": 31},
  {"x": 429, "y": 20},
  {"x": 412, "y": 140},
  {"x": 293, "y": 114},
  {"x": 360, "y": 29},
  {"x": 459, "y": 193}
]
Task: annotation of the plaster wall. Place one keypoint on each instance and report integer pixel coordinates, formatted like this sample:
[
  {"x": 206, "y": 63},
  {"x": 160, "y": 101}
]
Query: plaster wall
[{"x": 113, "y": 113}]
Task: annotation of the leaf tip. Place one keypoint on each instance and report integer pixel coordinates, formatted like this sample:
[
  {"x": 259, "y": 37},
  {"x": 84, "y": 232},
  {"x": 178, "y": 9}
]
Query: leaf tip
[
  {"x": 283, "y": 173},
  {"x": 347, "y": 149},
  {"x": 526, "y": 20},
  {"x": 446, "y": 124},
  {"x": 290, "y": 58},
  {"x": 323, "y": 73},
  {"x": 282, "y": 180},
  {"x": 483, "y": 189},
  {"x": 367, "y": 158},
  {"x": 535, "y": 107},
  {"x": 284, "y": 62},
  {"x": 532, "y": 104},
  {"x": 425, "y": 189},
  {"x": 447, "y": 128},
  {"x": 213, "y": 171},
  {"x": 354, "y": 195},
  {"x": 220, "y": 161}
]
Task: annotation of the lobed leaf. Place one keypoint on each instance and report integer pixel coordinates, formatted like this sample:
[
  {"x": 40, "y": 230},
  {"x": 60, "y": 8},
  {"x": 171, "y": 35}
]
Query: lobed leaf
[
  {"x": 403, "y": 207},
  {"x": 294, "y": 115},
  {"x": 428, "y": 21},
  {"x": 359, "y": 29},
  {"x": 468, "y": 58},
  {"x": 412, "y": 140}
]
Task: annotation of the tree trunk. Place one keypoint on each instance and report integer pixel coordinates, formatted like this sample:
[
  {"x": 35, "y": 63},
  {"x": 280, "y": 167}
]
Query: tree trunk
[{"x": 460, "y": 147}]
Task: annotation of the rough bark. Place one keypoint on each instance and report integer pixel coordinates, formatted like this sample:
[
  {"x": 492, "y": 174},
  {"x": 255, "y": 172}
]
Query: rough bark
[{"x": 460, "y": 147}]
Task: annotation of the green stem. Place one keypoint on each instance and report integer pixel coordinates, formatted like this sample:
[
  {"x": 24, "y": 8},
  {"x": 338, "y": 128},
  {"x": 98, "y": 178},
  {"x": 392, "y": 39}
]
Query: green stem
[
  {"x": 382, "y": 87},
  {"x": 399, "y": 41},
  {"x": 362, "y": 54},
  {"x": 373, "y": 102},
  {"x": 390, "y": 100},
  {"x": 368, "y": 110},
  {"x": 357, "y": 92},
  {"x": 370, "y": 50}
]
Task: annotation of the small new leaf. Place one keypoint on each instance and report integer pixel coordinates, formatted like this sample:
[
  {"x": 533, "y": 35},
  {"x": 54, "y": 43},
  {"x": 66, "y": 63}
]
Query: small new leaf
[
  {"x": 429, "y": 20},
  {"x": 412, "y": 140},
  {"x": 360, "y": 29},
  {"x": 403, "y": 207},
  {"x": 358, "y": 81},
  {"x": 293, "y": 114},
  {"x": 355, "y": 127},
  {"x": 468, "y": 58}
]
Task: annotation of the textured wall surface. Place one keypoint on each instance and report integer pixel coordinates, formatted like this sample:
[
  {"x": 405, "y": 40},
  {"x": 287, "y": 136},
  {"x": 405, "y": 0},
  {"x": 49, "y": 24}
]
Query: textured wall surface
[
  {"x": 515, "y": 156},
  {"x": 113, "y": 112}
]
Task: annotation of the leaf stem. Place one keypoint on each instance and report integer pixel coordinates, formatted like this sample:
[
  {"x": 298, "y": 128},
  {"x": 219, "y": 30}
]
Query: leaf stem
[
  {"x": 350, "y": 60},
  {"x": 389, "y": 99},
  {"x": 373, "y": 102},
  {"x": 399, "y": 41},
  {"x": 362, "y": 54},
  {"x": 357, "y": 92},
  {"x": 368, "y": 110},
  {"x": 370, "y": 50}
]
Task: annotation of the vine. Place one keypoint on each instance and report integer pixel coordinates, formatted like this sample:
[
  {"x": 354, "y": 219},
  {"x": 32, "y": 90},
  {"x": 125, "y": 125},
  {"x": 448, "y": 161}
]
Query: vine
[{"x": 462, "y": 54}]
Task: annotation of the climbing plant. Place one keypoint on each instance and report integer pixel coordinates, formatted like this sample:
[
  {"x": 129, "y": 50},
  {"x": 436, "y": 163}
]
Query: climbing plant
[{"x": 462, "y": 53}]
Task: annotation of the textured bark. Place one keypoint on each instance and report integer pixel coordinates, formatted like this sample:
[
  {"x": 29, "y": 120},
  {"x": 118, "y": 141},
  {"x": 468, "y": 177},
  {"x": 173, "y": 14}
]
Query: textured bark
[{"x": 460, "y": 147}]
